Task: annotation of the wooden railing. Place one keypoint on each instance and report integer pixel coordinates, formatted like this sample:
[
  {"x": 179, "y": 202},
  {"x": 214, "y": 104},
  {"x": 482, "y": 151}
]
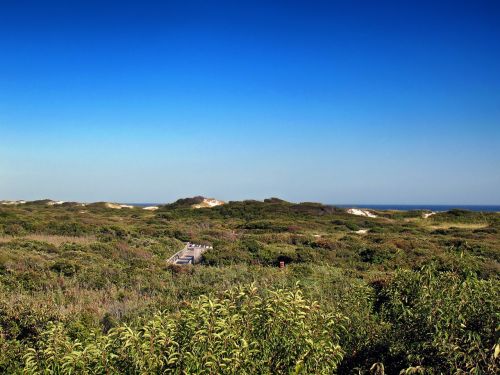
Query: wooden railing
[
  {"x": 176, "y": 256},
  {"x": 194, "y": 258}
]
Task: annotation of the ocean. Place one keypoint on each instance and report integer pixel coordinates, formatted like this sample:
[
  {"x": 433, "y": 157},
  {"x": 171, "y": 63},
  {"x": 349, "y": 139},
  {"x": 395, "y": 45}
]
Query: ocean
[{"x": 430, "y": 207}]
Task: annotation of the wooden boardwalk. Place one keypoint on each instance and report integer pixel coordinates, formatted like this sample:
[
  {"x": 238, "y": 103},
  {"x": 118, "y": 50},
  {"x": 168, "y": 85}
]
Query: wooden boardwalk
[{"x": 190, "y": 254}]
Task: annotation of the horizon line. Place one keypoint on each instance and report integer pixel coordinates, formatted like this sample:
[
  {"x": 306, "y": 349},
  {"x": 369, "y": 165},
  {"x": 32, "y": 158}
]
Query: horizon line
[{"x": 254, "y": 199}]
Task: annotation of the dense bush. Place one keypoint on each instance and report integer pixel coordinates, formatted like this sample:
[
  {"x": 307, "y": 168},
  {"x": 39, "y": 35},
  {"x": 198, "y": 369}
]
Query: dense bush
[
  {"x": 245, "y": 331},
  {"x": 443, "y": 322}
]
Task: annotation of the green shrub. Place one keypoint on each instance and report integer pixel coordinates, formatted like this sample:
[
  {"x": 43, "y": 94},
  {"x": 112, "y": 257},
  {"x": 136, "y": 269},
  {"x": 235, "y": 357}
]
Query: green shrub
[
  {"x": 65, "y": 268},
  {"x": 244, "y": 331},
  {"x": 376, "y": 255},
  {"x": 443, "y": 321},
  {"x": 352, "y": 226}
]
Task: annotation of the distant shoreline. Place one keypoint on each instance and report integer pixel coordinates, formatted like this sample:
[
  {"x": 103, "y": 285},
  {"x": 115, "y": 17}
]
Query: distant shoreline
[
  {"x": 397, "y": 207},
  {"x": 429, "y": 207},
  {"x": 375, "y": 207}
]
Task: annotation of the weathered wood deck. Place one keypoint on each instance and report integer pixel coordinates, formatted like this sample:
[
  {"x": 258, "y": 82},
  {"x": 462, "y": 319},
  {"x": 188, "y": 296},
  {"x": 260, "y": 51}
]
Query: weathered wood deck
[{"x": 190, "y": 254}]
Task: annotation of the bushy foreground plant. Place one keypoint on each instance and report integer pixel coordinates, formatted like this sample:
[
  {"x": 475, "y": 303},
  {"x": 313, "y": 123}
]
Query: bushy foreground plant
[
  {"x": 245, "y": 331},
  {"x": 443, "y": 322}
]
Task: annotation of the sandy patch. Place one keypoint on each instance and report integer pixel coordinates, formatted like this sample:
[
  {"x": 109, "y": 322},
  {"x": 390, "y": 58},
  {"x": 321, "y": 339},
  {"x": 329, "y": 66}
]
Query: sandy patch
[
  {"x": 208, "y": 203},
  {"x": 12, "y": 203},
  {"x": 117, "y": 206},
  {"x": 359, "y": 212},
  {"x": 458, "y": 225},
  {"x": 54, "y": 203},
  {"x": 362, "y": 231}
]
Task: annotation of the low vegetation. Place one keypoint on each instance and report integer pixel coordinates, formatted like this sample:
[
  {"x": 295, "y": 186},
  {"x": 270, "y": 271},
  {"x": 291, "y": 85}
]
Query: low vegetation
[{"x": 87, "y": 290}]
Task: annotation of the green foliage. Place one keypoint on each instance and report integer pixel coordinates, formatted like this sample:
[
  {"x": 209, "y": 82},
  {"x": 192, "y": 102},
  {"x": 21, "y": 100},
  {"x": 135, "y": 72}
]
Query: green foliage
[
  {"x": 443, "y": 321},
  {"x": 88, "y": 290},
  {"x": 376, "y": 255},
  {"x": 65, "y": 268},
  {"x": 244, "y": 331}
]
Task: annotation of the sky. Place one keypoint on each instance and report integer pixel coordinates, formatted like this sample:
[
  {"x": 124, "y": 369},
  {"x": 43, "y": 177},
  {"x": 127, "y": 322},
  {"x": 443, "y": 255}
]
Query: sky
[{"x": 329, "y": 101}]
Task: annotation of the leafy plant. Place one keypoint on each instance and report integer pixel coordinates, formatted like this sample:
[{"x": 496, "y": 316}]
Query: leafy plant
[{"x": 246, "y": 330}]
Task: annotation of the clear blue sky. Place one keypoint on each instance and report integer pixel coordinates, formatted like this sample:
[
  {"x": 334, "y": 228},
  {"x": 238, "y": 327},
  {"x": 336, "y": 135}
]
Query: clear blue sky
[{"x": 332, "y": 101}]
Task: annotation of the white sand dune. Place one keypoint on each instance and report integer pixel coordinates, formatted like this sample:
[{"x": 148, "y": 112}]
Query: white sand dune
[
  {"x": 359, "y": 212},
  {"x": 151, "y": 208},
  {"x": 362, "y": 231},
  {"x": 54, "y": 203},
  {"x": 428, "y": 214},
  {"x": 117, "y": 206},
  {"x": 12, "y": 203},
  {"x": 208, "y": 203}
]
